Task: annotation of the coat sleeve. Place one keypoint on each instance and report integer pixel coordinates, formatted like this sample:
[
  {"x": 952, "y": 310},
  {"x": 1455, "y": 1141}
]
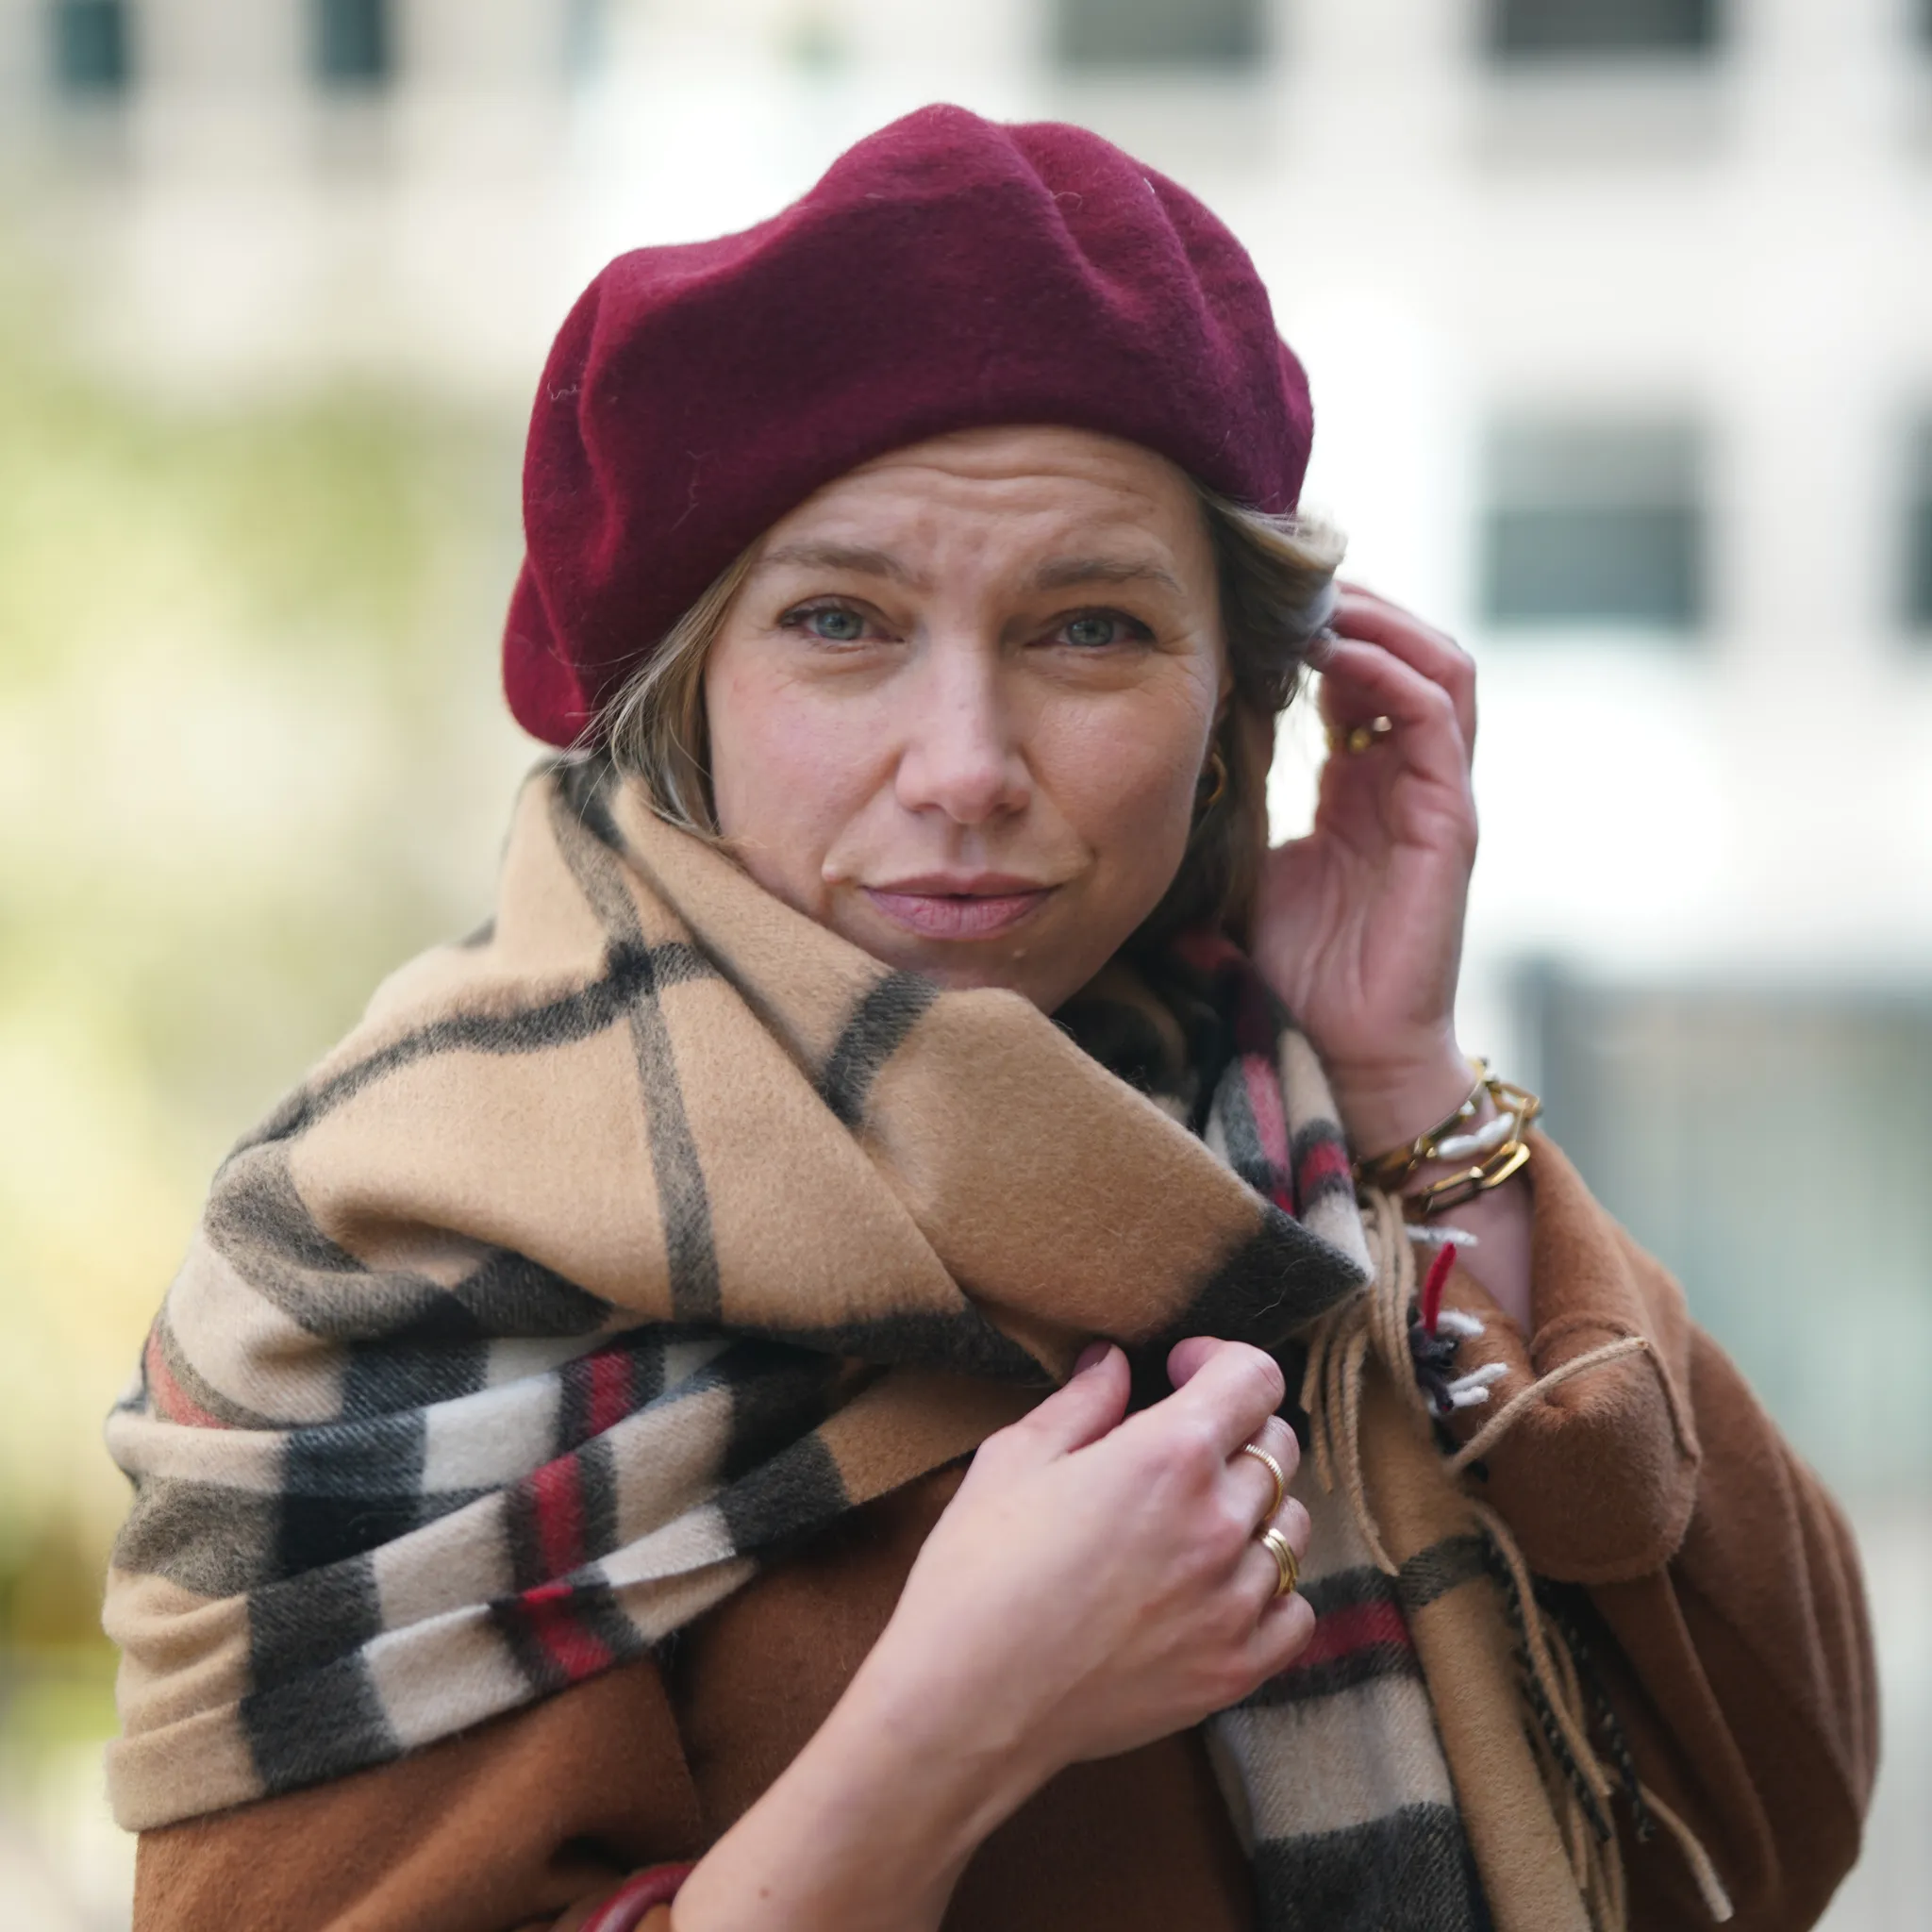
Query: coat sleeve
[
  {"x": 1737, "y": 1651},
  {"x": 530, "y": 1823}
]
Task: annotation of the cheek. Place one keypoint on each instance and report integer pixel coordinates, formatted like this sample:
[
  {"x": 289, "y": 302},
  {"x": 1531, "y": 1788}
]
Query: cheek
[
  {"x": 786, "y": 772},
  {"x": 1126, "y": 780}
]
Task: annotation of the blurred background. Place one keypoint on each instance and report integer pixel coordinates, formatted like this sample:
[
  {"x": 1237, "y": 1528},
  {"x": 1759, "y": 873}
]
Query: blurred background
[{"x": 1618, "y": 315}]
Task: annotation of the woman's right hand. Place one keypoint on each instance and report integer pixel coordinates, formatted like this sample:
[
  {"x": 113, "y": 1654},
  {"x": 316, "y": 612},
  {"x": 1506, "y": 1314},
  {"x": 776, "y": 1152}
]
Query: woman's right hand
[{"x": 1097, "y": 1582}]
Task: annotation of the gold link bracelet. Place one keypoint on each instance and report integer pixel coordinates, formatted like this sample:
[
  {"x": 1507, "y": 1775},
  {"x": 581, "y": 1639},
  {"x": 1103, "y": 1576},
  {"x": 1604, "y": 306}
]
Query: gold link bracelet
[{"x": 1392, "y": 1170}]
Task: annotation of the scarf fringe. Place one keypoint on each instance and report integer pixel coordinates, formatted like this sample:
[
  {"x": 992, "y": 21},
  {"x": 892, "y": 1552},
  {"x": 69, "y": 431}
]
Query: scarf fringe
[{"x": 1577, "y": 1783}]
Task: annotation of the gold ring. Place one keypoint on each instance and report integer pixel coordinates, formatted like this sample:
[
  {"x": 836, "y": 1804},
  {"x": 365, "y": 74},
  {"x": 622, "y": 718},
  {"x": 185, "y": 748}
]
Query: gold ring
[
  {"x": 1274, "y": 1469},
  {"x": 1286, "y": 1561}
]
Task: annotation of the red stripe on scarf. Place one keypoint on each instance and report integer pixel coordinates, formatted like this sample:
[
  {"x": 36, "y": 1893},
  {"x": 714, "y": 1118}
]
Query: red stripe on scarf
[
  {"x": 1324, "y": 1161},
  {"x": 173, "y": 1403},
  {"x": 557, "y": 1513},
  {"x": 1271, "y": 1124},
  {"x": 1353, "y": 1627},
  {"x": 550, "y": 1619},
  {"x": 607, "y": 1400}
]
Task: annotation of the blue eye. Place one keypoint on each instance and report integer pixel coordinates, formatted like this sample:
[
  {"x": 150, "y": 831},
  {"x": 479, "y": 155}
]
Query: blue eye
[
  {"x": 840, "y": 626},
  {"x": 831, "y": 621},
  {"x": 1095, "y": 629}
]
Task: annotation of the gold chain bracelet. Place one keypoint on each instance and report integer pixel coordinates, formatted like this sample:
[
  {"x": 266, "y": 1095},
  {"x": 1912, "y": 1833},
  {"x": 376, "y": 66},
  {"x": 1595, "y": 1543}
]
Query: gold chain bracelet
[{"x": 1500, "y": 1149}]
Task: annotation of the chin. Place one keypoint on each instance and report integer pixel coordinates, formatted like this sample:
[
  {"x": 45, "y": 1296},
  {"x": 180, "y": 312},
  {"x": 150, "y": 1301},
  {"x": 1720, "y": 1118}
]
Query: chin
[
  {"x": 995, "y": 975},
  {"x": 957, "y": 968}
]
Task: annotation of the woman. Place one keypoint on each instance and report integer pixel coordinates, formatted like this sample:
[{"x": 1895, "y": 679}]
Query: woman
[{"x": 600, "y": 1463}]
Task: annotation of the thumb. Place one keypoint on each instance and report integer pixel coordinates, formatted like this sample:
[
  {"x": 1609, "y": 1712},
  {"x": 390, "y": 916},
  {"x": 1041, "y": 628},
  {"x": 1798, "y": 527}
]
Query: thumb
[{"x": 1091, "y": 1404}]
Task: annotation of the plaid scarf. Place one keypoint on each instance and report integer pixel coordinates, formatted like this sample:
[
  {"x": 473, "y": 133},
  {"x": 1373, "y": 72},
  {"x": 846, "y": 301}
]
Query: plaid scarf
[{"x": 654, "y": 1227}]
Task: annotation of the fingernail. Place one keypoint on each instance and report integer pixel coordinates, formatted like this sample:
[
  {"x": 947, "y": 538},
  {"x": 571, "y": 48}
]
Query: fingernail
[{"x": 1092, "y": 1356}]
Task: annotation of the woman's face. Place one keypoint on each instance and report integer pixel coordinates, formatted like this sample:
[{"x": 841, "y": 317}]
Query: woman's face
[{"x": 959, "y": 708}]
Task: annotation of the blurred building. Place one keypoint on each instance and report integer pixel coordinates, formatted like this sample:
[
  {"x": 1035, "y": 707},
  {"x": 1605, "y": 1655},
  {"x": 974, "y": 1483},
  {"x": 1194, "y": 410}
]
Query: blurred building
[
  {"x": 1620, "y": 317},
  {"x": 1619, "y": 314}
]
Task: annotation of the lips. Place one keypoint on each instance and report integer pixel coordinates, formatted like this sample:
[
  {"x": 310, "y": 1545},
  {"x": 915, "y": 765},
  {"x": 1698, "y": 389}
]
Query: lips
[{"x": 941, "y": 908}]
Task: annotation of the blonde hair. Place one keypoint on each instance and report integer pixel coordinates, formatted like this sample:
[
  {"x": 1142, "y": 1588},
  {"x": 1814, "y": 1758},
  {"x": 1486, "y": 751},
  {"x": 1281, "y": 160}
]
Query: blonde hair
[{"x": 1276, "y": 581}]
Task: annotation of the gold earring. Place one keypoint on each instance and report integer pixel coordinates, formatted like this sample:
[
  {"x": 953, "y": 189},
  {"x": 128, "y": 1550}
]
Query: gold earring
[{"x": 1217, "y": 768}]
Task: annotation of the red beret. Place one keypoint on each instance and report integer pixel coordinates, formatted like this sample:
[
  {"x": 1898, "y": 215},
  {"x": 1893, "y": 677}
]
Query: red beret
[{"x": 947, "y": 271}]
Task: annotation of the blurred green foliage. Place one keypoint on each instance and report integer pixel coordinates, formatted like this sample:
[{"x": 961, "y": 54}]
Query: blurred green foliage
[{"x": 252, "y": 755}]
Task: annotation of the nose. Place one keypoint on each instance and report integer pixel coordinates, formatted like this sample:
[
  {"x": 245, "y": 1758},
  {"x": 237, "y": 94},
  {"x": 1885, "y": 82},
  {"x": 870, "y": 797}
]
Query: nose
[{"x": 962, "y": 753}]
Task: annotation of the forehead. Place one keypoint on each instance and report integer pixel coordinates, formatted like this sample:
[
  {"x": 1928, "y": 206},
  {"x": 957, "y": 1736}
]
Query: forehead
[{"x": 1011, "y": 490}]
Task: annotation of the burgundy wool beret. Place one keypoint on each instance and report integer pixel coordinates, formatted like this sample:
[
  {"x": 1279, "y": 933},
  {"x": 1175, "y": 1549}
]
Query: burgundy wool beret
[{"x": 947, "y": 271}]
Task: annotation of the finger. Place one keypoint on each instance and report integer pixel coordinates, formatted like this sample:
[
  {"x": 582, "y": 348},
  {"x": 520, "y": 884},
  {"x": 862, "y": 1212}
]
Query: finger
[
  {"x": 1184, "y": 1359},
  {"x": 1252, "y": 1481},
  {"x": 1227, "y": 1389},
  {"x": 1187, "y": 1356},
  {"x": 1368, "y": 619},
  {"x": 1363, "y": 681},
  {"x": 1281, "y": 1633},
  {"x": 1259, "y": 1575},
  {"x": 1348, "y": 591},
  {"x": 1090, "y": 1406},
  {"x": 1293, "y": 1520},
  {"x": 1356, "y": 603},
  {"x": 1439, "y": 659}
]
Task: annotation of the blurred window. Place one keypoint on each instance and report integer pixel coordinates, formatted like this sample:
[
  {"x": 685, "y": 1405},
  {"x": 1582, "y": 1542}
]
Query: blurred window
[
  {"x": 1158, "y": 33},
  {"x": 1768, "y": 1147},
  {"x": 353, "y": 42},
  {"x": 1534, "y": 28},
  {"x": 90, "y": 43},
  {"x": 1594, "y": 524},
  {"x": 1919, "y": 533}
]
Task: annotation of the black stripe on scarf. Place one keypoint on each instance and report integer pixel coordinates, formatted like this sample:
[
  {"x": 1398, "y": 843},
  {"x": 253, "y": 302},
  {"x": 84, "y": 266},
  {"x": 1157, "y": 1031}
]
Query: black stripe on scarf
[
  {"x": 260, "y": 1224},
  {"x": 322, "y": 1724},
  {"x": 873, "y": 1033},
  {"x": 690, "y": 1253},
  {"x": 964, "y": 1342},
  {"x": 297, "y": 1627},
  {"x": 439, "y": 1359},
  {"x": 780, "y": 1478},
  {"x": 1441, "y": 1568},
  {"x": 1276, "y": 1280},
  {"x": 782, "y": 1500},
  {"x": 632, "y": 973},
  {"x": 352, "y": 1487},
  {"x": 1409, "y": 1871},
  {"x": 313, "y": 1712}
]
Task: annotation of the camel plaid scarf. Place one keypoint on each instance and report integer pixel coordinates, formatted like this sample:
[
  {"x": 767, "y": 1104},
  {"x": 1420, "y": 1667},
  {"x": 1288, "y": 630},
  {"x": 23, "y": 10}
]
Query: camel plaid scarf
[{"x": 653, "y": 1228}]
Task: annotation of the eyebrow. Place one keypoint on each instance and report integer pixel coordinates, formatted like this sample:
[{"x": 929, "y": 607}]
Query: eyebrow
[
  {"x": 1065, "y": 572},
  {"x": 856, "y": 557},
  {"x": 1056, "y": 573}
]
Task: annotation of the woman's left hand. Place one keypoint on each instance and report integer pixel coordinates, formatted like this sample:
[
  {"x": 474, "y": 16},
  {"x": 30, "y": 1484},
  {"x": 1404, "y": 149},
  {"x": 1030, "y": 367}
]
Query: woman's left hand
[{"x": 1358, "y": 925}]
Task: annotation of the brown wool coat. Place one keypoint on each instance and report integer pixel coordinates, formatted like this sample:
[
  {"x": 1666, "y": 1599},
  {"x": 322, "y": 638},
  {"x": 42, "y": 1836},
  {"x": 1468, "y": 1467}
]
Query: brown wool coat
[{"x": 1738, "y": 1657}]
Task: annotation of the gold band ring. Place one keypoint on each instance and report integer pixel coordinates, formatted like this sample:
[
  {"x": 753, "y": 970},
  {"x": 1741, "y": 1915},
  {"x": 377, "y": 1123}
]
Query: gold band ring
[
  {"x": 1361, "y": 738},
  {"x": 1286, "y": 1560},
  {"x": 1274, "y": 1469}
]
